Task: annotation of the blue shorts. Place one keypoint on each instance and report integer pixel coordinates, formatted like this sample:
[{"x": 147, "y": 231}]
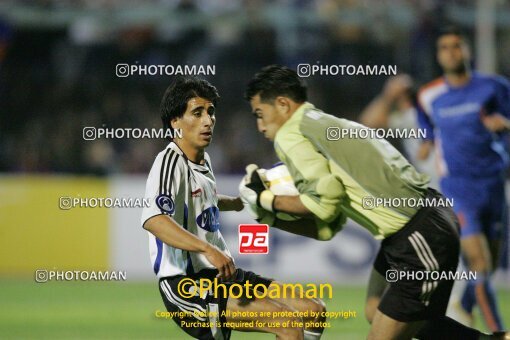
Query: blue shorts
[{"x": 480, "y": 205}]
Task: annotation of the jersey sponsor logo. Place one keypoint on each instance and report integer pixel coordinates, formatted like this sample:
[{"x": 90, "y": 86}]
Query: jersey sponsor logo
[
  {"x": 209, "y": 219},
  {"x": 253, "y": 239},
  {"x": 196, "y": 193},
  {"x": 165, "y": 203},
  {"x": 460, "y": 110}
]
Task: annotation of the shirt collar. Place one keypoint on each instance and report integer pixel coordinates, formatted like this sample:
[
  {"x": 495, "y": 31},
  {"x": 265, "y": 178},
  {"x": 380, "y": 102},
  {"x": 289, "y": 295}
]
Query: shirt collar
[
  {"x": 201, "y": 167},
  {"x": 296, "y": 116}
]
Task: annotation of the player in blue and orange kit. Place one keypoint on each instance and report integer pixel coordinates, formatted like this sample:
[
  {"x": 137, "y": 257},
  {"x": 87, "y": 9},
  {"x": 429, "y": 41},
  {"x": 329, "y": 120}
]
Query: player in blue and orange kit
[{"x": 466, "y": 115}]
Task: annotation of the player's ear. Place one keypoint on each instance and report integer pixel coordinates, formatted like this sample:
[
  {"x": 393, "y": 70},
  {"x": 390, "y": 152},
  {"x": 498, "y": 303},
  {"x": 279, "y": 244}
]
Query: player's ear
[
  {"x": 282, "y": 105},
  {"x": 174, "y": 123}
]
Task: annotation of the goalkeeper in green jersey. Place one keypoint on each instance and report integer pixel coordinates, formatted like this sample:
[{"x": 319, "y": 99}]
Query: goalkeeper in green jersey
[{"x": 370, "y": 182}]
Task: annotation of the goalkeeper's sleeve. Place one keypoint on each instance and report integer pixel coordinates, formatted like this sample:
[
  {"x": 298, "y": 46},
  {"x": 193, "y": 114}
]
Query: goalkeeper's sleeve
[{"x": 320, "y": 190}]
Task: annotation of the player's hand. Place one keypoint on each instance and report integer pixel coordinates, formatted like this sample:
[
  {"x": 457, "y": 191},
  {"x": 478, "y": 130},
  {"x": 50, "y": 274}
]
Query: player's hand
[
  {"x": 253, "y": 190},
  {"x": 251, "y": 185},
  {"x": 222, "y": 262},
  {"x": 495, "y": 122},
  {"x": 396, "y": 86},
  {"x": 257, "y": 213}
]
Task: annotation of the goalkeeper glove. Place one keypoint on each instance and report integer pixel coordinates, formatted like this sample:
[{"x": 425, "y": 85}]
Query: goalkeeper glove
[
  {"x": 249, "y": 198},
  {"x": 254, "y": 191}
]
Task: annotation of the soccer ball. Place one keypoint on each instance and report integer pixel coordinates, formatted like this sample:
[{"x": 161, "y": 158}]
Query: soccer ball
[{"x": 279, "y": 181}]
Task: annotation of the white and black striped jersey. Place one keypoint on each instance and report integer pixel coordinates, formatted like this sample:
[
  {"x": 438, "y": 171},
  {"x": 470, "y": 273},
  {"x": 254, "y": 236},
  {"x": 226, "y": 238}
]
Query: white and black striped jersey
[{"x": 186, "y": 191}]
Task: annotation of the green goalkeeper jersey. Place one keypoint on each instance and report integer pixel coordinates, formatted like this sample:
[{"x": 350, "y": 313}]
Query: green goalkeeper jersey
[{"x": 342, "y": 178}]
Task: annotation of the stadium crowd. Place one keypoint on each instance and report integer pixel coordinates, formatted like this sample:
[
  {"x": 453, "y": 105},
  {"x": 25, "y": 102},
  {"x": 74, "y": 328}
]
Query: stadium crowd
[{"x": 58, "y": 77}]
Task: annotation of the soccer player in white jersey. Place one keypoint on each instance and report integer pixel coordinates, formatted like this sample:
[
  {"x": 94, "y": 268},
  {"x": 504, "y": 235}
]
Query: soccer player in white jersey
[{"x": 184, "y": 230}]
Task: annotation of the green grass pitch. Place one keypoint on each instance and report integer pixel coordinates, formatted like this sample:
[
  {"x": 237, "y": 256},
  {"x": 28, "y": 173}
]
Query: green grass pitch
[{"x": 101, "y": 310}]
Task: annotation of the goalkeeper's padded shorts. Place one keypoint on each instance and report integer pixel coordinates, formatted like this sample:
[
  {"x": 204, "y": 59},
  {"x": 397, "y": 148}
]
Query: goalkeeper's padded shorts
[{"x": 428, "y": 243}]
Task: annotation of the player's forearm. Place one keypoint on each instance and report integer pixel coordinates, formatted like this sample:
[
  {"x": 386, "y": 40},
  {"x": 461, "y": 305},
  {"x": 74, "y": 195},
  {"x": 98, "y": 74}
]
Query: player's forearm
[
  {"x": 291, "y": 205},
  {"x": 376, "y": 114},
  {"x": 169, "y": 232},
  {"x": 228, "y": 203},
  {"x": 303, "y": 227},
  {"x": 496, "y": 122}
]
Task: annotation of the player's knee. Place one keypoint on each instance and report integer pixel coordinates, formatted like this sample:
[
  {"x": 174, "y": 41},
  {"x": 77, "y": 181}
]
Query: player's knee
[
  {"x": 369, "y": 314},
  {"x": 371, "y": 308},
  {"x": 295, "y": 332},
  {"x": 318, "y": 307},
  {"x": 290, "y": 314},
  {"x": 292, "y": 330}
]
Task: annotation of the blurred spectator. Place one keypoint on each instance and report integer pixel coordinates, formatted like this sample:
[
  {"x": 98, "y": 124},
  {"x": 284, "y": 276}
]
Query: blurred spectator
[
  {"x": 394, "y": 108},
  {"x": 56, "y": 79}
]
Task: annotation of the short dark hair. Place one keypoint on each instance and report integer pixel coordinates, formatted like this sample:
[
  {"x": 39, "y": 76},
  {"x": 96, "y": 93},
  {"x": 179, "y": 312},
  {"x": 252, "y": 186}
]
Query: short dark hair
[
  {"x": 176, "y": 97},
  {"x": 276, "y": 80},
  {"x": 452, "y": 30}
]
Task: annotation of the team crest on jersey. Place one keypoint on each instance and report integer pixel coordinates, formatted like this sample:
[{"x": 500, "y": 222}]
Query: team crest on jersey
[{"x": 165, "y": 203}]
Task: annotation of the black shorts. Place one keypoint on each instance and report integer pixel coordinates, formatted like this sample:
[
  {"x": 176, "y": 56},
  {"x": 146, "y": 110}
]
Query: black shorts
[
  {"x": 202, "y": 316},
  {"x": 428, "y": 243}
]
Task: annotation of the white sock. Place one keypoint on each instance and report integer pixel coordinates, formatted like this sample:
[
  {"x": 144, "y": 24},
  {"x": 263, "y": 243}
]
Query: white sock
[{"x": 309, "y": 335}]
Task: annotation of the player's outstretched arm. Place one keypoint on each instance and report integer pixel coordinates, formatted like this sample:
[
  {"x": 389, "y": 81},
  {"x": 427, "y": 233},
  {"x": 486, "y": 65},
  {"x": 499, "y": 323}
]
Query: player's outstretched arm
[
  {"x": 304, "y": 227},
  {"x": 312, "y": 227},
  {"x": 229, "y": 203},
  {"x": 265, "y": 207},
  {"x": 496, "y": 122},
  {"x": 168, "y": 231},
  {"x": 291, "y": 205},
  {"x": 376, "y": 114}
]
